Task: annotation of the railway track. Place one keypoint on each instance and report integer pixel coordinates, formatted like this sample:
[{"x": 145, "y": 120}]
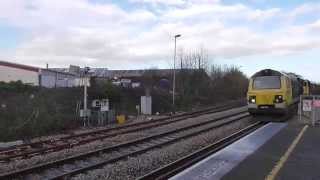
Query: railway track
[
  {"x": 53, "y": 145},
  {"x": 84, "y": 162},
  {"x": 183, "y": 163}
]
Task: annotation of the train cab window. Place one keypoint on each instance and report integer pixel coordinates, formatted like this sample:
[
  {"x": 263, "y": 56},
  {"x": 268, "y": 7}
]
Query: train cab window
[{"x": 267, "y": 82}]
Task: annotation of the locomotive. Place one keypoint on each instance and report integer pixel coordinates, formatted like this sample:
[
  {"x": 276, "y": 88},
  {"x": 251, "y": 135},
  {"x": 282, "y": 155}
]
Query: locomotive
[{"x": 274, "y": 92}]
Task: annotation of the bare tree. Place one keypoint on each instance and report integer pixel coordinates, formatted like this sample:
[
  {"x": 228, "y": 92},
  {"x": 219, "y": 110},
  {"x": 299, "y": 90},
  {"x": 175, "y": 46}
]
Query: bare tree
[{"x": 194, "y": 59}]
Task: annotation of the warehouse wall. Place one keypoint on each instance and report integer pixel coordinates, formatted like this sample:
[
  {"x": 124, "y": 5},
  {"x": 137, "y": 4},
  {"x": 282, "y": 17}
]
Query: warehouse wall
[
  {"x": 51, "y": 79},
  {"x": 8, "y": 74}
]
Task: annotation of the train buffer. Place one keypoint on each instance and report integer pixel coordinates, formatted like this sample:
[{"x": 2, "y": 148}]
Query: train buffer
[{"x": 286, "y": 150}]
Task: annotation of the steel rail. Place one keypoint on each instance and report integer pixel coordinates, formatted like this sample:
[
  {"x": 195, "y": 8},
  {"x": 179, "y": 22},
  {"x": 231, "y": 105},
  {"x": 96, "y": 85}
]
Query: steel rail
[
  {"x": 141, "y": 151},
  {"x": 224, "y": 105},
  {"x": 183, "y": 163},
  {"x": 145, "y": 125},
  {"x": 75, "y": 158}
]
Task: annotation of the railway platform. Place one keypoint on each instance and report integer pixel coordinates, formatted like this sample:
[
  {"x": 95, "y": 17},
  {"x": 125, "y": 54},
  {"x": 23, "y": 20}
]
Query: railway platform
[{"x": 281, "y": 151}]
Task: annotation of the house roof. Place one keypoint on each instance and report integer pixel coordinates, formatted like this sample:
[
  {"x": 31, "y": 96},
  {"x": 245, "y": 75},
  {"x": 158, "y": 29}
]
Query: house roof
[{"x": 19, "y": 66}]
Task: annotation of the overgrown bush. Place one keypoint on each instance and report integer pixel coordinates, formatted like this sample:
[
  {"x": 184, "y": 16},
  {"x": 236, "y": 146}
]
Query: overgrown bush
[{"x": 27, "y": 111}]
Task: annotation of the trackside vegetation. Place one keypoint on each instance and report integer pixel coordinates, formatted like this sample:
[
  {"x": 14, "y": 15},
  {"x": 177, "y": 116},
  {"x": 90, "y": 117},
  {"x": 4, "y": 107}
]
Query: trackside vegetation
[{"x": 28, "y": 111}]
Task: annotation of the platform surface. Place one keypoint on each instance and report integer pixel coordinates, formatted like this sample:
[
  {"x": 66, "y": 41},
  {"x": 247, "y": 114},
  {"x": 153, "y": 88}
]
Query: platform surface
[
  {"x": 220, "y": 163},
  {"x": 251, "y": 161},
  {"x": 302, "y": 164}
]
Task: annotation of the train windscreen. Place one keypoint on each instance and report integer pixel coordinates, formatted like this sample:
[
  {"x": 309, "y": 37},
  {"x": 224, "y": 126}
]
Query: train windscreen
[{"x": 266, "y": 82}]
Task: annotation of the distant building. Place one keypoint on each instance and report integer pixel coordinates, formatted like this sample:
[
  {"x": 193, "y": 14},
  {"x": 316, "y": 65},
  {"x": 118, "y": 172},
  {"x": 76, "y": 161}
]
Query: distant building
[
  {"x": 135, "y": 84},
  {"x": 36, "y": 76},
  {"x": 52, "y": 79},
  {"x": 94, "y": 72},
  {"x": 130, "y": 78},
  {"x": 111, "y": 74},
  {"x": 138, "y": 73},
  {"x": 74, "y": 69}
]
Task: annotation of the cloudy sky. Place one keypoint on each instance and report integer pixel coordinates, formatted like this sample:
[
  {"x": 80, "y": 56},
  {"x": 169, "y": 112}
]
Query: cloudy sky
[{"x": 132, "y": 34}]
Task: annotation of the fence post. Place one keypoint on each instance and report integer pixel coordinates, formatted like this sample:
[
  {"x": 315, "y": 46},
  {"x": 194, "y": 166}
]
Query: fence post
[{"x": 300, "y": 109}]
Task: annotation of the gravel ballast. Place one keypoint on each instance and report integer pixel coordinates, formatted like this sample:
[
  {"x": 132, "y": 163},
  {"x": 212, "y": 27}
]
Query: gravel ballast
[
  {"x": 18, "y": 164},
  {"x": 140, "y": 165}
]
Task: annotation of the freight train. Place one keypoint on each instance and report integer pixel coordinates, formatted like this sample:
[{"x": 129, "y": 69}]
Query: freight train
[{"x": 274, "y": 92}]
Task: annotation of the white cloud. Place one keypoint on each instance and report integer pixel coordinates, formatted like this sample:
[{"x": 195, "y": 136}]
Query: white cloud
[
  {"x": 307, "y": 8},
  {"x": 155, "y": 2},
  {"x": 260, "y": 15},
  {"x": 173, "y": 2},
  {"x": 64, "y": 14},
  {"x": 315, "y": 26},
  {"x": 79, "y": 32}
]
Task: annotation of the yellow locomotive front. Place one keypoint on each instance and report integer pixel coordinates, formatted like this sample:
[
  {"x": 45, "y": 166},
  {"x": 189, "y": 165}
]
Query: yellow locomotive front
[{"x": 269, "y": 91}]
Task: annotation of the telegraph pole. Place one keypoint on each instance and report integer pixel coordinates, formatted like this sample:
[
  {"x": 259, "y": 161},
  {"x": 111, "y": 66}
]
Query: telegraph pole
[{"x": 85, "y": 96}]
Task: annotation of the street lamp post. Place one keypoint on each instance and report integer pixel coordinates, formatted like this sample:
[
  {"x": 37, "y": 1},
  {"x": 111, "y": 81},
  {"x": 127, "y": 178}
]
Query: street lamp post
[{"x": 174, "y": 71}]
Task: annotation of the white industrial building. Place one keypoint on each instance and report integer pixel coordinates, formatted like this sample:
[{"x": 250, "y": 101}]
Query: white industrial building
[{"x": 36, "y": 76}]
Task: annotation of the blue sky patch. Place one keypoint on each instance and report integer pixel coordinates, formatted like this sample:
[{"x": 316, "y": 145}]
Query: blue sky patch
[{"x": 10, "y": 37}]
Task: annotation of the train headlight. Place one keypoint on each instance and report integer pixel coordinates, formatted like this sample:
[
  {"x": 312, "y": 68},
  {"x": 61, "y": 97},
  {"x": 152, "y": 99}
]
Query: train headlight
[
  {"x": 252, "y": 99},
  {"x": 278, "y": 99}
]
